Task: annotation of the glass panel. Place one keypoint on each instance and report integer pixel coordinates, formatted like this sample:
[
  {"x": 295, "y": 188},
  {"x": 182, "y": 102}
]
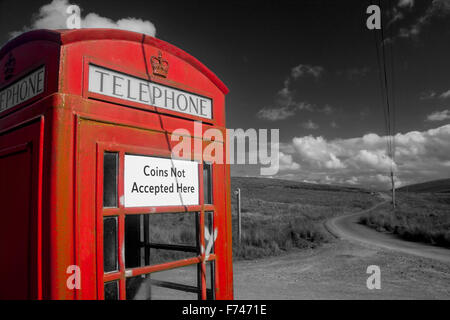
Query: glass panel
[
  {"x": 110, "y": 244},
  {"x": 174, "y": 284},
  {"x": 210, "y": 280},
  {"x": 134, "y": 242},
  {"x": 207, "y": 183},
  {"x": 209, "y": 225},
  {"x": 157, "y": 238},
  {"x": 112, "y": 290},
  {"x": 110, "y": 161},
  {"x": 174, "y": 228},
  {"x": 159, "y": 256}
]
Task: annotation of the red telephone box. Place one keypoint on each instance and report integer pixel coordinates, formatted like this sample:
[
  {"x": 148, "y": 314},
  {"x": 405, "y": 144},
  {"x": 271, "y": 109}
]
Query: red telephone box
[{"x": 94, "y": 204}]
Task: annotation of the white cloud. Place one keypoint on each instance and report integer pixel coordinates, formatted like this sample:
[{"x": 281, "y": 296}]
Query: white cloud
[
  {"x": 334, "y": 163},
  {"x": 274, "y": 114},
  {"x": 54, "y": 16},
  {"x": 437, "y": 8},
  {"x": 317, "y": 152},
  {"x": 286, "y": 162},
  {"x": 445, "y": 95},
  {"x": 327, "y": 109},
  {"x": 305, "y": 69},
  {"x": 286, "y": 105},
  {"x": 386, "y": 180},
  {"x": 373, "y": 159},
  {"x": 352, "y": 180},
  {"x": 428, "y": 95},
  {"x": 439, "y": 115},
  {"x": 310, "y": 125},
  {"x": 93, "y": 20},
  {"x": 420, "y": 156},
  {"x": 405, "y": 3}
]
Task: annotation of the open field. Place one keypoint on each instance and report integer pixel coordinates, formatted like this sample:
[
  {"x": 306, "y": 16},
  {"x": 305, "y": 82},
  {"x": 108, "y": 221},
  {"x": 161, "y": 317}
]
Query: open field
[
  {"x": 422, "y": 217},
  {"x": 279, "y": 216},
  {"x": 435, "y": 186},
  {"x": 337, "y": 269}
]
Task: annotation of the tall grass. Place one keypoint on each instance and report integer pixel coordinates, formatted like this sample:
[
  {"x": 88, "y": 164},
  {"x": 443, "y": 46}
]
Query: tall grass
[
  {"x": 279, "y": 216},
  {"x": 417, "y": 217},
  {"x": 266, "y": 238}
]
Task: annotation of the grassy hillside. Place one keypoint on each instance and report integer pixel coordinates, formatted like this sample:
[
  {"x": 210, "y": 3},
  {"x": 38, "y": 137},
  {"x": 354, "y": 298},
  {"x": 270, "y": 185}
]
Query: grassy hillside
[
  {"x": 279, "y": 215},
  {"x": 422, "y": 217},
  {"x": 441, "y": 186}
]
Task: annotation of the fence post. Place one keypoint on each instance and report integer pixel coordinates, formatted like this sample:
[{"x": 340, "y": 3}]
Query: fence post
[{"x": 238, "y": 198}]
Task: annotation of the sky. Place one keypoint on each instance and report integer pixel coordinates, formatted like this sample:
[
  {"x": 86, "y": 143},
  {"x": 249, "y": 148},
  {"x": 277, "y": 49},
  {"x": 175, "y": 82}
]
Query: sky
[{"x": 308, "y": 68}]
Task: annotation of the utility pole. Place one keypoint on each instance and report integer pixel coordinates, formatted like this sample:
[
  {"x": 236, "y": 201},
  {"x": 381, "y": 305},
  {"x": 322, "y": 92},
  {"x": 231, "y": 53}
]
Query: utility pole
[
  {"x": 238, "y": 200},
  {"x": 393, "y": 189}
]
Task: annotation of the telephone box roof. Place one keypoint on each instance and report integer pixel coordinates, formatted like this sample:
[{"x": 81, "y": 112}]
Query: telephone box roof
[{"x": 65, "y": 36}]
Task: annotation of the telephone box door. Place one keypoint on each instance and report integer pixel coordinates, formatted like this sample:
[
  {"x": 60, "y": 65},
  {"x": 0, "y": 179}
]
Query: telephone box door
[{"x": 154, "y": 216}]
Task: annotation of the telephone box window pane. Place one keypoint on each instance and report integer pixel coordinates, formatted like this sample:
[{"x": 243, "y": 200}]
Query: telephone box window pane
[
  {"x": 111, "y": 290},
  {"x": 134, "y": 241},
  {"x": 156, "y": 238},
  {"x": 174, "y": 284},
  {"x": 209, "y": 227},
  {"x": 110, "y": 244},
  {"x": 207, "y": 183},
  {"x": 210, "y": 280},
  {"x": 173, "y": 228},
  {"x": 110, "y": 161},
  {"x": 159, "y": 256}
]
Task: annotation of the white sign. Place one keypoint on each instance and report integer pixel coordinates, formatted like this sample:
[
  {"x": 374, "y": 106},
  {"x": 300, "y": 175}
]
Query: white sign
[
  {"x": 22, "y": 90},
  {"x": 151, "y": 181},
  {"x": 119, "y": 85}
]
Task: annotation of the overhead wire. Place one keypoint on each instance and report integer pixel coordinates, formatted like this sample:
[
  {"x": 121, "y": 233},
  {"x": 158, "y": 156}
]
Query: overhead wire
[
  {"x": 387, "y": 92},
  {"x": 383, "y": 90},
  {"x": 386, "y": 86},
  {"x": 393, "y": 87},
  {"x": 390, "y": 105}
]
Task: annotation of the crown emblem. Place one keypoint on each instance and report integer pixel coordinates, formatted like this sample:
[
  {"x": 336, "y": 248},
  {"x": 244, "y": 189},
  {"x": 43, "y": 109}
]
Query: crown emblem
[
  {"x": 8, "y": 69},
  {"x": 160, "y": 66}
]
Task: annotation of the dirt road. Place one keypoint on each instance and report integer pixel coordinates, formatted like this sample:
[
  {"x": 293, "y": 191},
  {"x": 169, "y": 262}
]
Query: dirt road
[
  {"x": 337, "y": 270},
  {"x": 347, "y": 227}
]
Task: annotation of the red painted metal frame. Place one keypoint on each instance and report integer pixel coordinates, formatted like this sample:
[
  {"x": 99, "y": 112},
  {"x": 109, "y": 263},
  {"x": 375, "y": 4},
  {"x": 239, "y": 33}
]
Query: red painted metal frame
[
  {"x": 121, "y": 211},
  {"x": 28, "y": 136},
  {"x": 75, "y": 126}
]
